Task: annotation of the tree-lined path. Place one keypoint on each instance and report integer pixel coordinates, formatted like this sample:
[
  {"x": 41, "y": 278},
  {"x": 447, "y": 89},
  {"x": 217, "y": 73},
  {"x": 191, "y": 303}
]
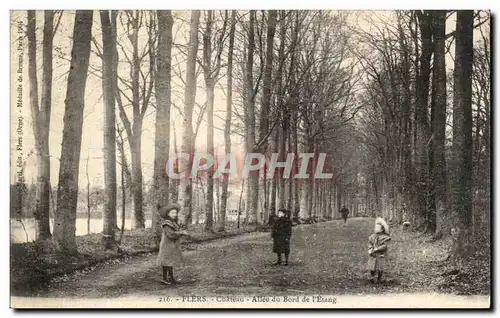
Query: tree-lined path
[
  {"x": 326, "y": 259},
  {"x": 393, "y": 108}
]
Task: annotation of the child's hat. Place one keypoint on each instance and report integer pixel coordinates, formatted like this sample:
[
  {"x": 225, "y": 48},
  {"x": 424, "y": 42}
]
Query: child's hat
[
  {"x": 381, "y": 226},
  {"x": 163, "y": 211}
]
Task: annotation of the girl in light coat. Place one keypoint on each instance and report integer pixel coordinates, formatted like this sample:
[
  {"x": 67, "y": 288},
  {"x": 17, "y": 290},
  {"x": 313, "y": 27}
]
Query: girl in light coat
[
  {"x": 377, "y": 249},
  {"x": 170, "y": 254}
]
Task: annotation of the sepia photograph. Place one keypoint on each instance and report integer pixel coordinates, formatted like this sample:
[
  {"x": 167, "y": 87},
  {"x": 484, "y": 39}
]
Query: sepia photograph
[{"x": 250, "y": 158}]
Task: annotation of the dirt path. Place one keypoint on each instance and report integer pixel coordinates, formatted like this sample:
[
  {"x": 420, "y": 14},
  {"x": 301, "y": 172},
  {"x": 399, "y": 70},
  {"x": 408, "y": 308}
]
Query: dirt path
[{"x": 326, "y": 259}]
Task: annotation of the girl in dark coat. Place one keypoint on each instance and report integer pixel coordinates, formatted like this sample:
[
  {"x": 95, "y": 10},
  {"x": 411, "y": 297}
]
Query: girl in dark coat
[{"x": 281, "y": 233}]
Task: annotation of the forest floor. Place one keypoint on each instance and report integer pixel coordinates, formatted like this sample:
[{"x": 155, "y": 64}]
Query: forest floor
[
  {"x": 35, "y": 264},
  {"x": 326, "y": 259}
]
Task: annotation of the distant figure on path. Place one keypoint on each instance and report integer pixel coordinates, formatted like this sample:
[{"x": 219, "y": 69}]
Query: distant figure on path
[
  {"x": 281, "y": 233},
  {"x": 170, "y": 254},
  {"x": 344, "y": 212},
  {"x": 406, "y": 221},
  {"x": 378, "y": 248}
]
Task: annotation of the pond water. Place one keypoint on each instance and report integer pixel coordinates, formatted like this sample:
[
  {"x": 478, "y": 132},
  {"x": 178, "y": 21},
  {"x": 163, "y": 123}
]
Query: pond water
[{"x": 18, "y": 234}]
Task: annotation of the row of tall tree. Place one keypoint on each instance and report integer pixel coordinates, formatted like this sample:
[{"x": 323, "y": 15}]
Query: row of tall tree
[
  {"x": 426, "y": 147},
  {"x": 376, "y": 101}
]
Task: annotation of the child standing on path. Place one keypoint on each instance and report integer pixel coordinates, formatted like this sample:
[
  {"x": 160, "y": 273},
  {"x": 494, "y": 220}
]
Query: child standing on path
[
  {"x": 281, "y": 233},
  {"x": 378, "y": 249},
  {"x": 170, "y": 254}
]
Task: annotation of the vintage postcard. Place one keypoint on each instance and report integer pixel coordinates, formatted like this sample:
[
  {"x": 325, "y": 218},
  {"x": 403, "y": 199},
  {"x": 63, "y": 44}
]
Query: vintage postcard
[{"x": 250, "y": 159}]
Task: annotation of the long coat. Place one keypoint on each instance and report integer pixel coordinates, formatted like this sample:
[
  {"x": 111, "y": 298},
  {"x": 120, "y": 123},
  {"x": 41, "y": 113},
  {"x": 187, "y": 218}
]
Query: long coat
[
  {"x": 170, "y": 253},
  {"x": 377, "y": 260},
  {"x": 281, "y": 233}
]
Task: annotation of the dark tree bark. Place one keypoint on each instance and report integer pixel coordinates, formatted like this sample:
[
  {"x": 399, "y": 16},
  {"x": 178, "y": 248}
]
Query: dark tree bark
[
  {"x": 282, "y": 129},
  {"x": 67, "y": 191},
  {"x": 162, "y": 124},
  {"x": 210, "y": 85},
  {"x": 439, "y": 123},
  {"x": 227, "y": 126},
  {"x": 252, "y": 194},
  {"x": 461, "y": 187},
  {"x": 41, "y": 117},
  {"x": 174, "y": 183},
  {"x": 296, "y": 193},
  {"x": 421, "y": 119},
  {"x": 290, "y": 198},
  {"x": 274, "y": 180},
  {"x": 267, "y": 81},
  {"x": 109, "y": 150},
  {"x": 88, "y": 194},
  {"x": 407, "y": 185},
  {"x": 186, "y": 184}
]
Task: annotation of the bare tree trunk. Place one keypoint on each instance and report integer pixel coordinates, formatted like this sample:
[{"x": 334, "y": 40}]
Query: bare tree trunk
[
  {"x": 136, "y": 160},
  {"x": 252, "y": 201},
  {"x": 41, "y": 118},
  {"x": 109, "y": 150},
  {"x": 239, "y": 202},
  {"x": 462, "y": 122},
  {"x": 227, "y": 126},
  {"x": 421, "y": 119},
  {"x": 319, "y": 199},
  {"x": 310, "y": 198},
  {"x": 198, "y": 203},
  {"x": 305, "y": 195},
  {"x": 331, "y": 200},
  {"x": 88, "y": 194},
  {"x": 210, "y": 88},
  {"x": 124, "y": 198},
  {"x": 339, "y": 197},
  {"x": 267, "y": 81},
  {"x": 174, "y": 184},
  {"x": 290, "y": 199},
  {"x": 297, "y": 198},
  {"x": 327, "y": 200},
  {"x": 439, "y": 123},
  {"x": 217, "y": 201},
  {"x": 316, "y": 202},
  {"x": 334, "y": 202},
  {"x": 162, "y": 124},
  {"x": 282, "y": 158},
  {"x": 274, "y": 180},
  {"x": 135, "y": 142},
  {"x": 126, "y": 179},
  {"x": 186, "y": 186},
  {"x": 282, "y": 105},
  {"x": 123, "y": 159},
  {"x": 265, "y": 194},
  {"x": 67, "y": 192},
  {"x": 406, "y": 152},
  {"x": 293, "y": 144}
]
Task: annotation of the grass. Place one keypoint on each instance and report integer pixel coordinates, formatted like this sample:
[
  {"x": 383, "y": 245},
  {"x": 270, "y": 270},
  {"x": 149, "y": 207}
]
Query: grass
[
  {"x": 434, "y": 265},
  {"x": 326, "y": 259},
  {"x": 34, "y": 264},
  {"x": 419, "y": 262}
]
